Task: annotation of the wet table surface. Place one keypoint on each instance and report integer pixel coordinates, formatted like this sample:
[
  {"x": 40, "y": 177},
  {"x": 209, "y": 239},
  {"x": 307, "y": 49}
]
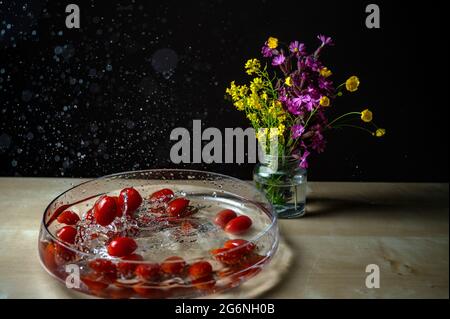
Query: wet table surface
[{"x": 402, "y": 228}]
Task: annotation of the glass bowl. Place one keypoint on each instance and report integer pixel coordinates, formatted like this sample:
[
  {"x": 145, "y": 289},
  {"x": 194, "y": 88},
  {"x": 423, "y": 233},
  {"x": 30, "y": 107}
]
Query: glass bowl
[{"x": 152, "y": 271}]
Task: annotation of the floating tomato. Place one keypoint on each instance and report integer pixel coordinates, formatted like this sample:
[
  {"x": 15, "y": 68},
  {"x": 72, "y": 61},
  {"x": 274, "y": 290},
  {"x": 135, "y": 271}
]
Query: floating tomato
[
  {"x": 68, "y": 217},
  {"x": 121, "y": 246},
  {"x": 238, "y": 225},
  {"x": 105, "y": 210},
  {"x": 224, "y": 216},
  {"x": 129, "y": 200},
  {"x": 163, "y": 195}
]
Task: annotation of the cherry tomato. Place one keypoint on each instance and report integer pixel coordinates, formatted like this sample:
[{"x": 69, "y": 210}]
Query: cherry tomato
[
  {"x": 147, "y": 272},
  {"x": 91, "y": 282},
  {"x": 127, "y": 269},
  {"x": 163, "y": 195},
  {"x": 121, "y": 246},
  {"x": 49, "y": 252},
  {"x": 204, "y": 283},
  {"x": 63, "y": 254},
  {"x": 199, "y": 269},
  {"x": 227, "y": 256},
  {"x": 102, "y": 266},
  {"x": 129, "y": 200},
  {"x": 224, "y": 216},
  {"x": 177, "y": 206},
  {"x": 238, "y": 225},
  {"x": 173, "y": 265},
  {"x": 244, "y": 245},
  {"x": 67, "y": 234},
  {"x": 105, "y": 210},
  {"x": 68, "y": 217}
]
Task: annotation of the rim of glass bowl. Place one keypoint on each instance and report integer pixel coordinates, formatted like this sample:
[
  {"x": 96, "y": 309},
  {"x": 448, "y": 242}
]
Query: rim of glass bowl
[{"x": 268, "y": 211}]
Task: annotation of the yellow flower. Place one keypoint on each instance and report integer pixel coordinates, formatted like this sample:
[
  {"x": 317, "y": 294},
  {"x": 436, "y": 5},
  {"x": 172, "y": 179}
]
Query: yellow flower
[
  {"x": 325, "y": 72},
  {"x": 272, "y": 42},
  {"x": 324, "y": 101},
  {"x": 380, "y": 132},
  {"x": 281, "y": 129},
  {"x": 256, "y": 85},
  {"x": 352, "y": 83},
  {"x": 264, "y": 96},
  {"x": 288, "y": 81},
  {"x": 252, "y": 66},
  {"x": 366, "y": 115},
  {"x": 239, "y": 105}
]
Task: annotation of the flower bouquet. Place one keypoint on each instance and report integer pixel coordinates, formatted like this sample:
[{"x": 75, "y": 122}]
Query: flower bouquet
[{"x": 287, "y": 107}]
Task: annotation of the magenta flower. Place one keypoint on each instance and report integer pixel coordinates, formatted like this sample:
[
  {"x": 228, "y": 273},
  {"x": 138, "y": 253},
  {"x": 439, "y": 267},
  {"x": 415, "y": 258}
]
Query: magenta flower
[
  {"x": 297, "y": 130},
  {"x": 297, "y": 48},
  {"x": 303, "y": 159},
  {"x": 325, "y": 40},
  {"x": 266, "y": 51},
  {"x": 279, "y": 59}
]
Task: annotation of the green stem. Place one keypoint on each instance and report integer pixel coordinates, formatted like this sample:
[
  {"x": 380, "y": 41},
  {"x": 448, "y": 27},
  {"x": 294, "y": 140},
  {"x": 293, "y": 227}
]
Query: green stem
[
  {"x": 342, "y": 116},
  {"x": 354, "y": 126}
]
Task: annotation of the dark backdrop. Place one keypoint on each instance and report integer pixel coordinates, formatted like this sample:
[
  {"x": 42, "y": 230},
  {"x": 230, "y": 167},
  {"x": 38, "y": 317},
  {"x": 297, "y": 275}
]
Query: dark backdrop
[{"x": 100, "y": 99}]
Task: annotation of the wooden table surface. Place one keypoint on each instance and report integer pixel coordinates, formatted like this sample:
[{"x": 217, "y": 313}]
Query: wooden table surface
[{"x": 402, "y": 228}]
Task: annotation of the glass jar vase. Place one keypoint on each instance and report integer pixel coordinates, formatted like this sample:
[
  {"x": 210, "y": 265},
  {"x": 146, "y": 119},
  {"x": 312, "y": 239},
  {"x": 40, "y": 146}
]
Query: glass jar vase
[{"x": 283, "y": 182}]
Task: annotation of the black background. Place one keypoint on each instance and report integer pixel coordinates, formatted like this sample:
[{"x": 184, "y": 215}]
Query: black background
[{"x": 93, "y": 101}]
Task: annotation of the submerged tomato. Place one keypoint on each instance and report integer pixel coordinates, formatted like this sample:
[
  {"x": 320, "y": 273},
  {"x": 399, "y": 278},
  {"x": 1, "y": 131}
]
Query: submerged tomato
[
  {"x": 105, "y": 210},
  {"x": 173, "y": 265},
  {"x": 102, "y": 266},
  {"x": 68, "y": 217},
  {"x": 147, "y": 272},
  {"x": 67, "y": 234},
  {"x": 199, "y": 269},
  {"x": 121, "y": 246},
  {"x": 204, "y": 283},
  {"x": 238, "y": 225},
  {"x": 245, "y": 245},
  {"x": 127, "y": 269},
  {"x": 129, "y": 200},
  {"x": 163, "y": 195},
  {"x": 177, "y": 206},
  {"x": 224, "y": 216}
]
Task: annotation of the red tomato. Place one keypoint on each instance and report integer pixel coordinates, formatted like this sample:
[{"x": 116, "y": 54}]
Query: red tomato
[
  {"x": 177, "y": 206},
  {"x": 147, "y": 272},
  {"x": 224, "y": 216},
  {"x": 91, "y": 282},
  {"x": 199, "y": 269},
  {"x": 163, "y": 195},
  {"x": 105, "y": 210},
  {"x": 173, "y": 265},
  {"x": 67, "y": 234},
  {"x": 102, "y": 266},
  {"x": 129, "y": 200},
  {"x": 121, "y": 246},
  {"x": 68, "y": 217},
  {"x": 49, "y": 253},
  {"x": 238, "y": 225},
  {"x": 245, "y": 245},
  {"x": 127, "y": 269},
  {"x": 204, "y": 283}
]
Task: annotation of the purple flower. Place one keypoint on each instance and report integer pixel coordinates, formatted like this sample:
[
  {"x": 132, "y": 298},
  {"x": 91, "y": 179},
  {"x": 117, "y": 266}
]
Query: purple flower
[
  {"x": 297, "y": 130},
  {"x": 297, "y": 48},
  {"x": 279, "y": 59},
  {"x": 266, "y": 51},
  {"x": 303, "y": 159},
  {"x": 318, "y": 141},
  {"x": 325, "y": 40}
]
